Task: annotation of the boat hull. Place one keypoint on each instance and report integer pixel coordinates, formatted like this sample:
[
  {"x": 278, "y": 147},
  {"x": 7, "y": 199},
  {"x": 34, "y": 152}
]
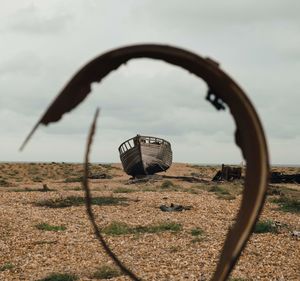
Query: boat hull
[
  {"x": 156, "y": 158},
  {"x": 132, "y": 162},
  {"x": 146, "y": 158}
]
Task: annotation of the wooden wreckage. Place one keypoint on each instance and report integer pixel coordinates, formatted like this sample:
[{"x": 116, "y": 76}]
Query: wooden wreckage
[
  {"x": 145, "y": 155},
  {"x": 228, "y": 173}
]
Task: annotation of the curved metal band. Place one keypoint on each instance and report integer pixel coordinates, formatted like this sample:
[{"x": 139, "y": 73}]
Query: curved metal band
[{"x": 249, "y": 135}]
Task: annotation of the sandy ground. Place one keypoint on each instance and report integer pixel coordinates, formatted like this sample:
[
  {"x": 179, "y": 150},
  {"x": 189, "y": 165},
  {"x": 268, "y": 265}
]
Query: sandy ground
[{"x": 28, "y": 253}]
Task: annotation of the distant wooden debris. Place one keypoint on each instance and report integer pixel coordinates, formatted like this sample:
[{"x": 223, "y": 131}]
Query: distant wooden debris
[
  {"x": 277, "y": 177},
  {"x": 228, "y": 174},
  {"x": 144, "y": 155},
  {"x": 174, "y": 208},
  {"x": 45, "y": 187}
]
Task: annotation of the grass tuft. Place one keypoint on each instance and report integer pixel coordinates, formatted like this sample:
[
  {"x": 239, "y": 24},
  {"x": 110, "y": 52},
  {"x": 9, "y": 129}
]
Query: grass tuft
[
  {"x": 265, "y": 226},
  {"x": 119, "y": 228},
  {"x": 42, "y": 242},
  {"x": 288, "y": 204},
  {"x": 165, "y": 226},
  {"x": 106, "y": 272},
  {"x": 167, "y": 184},
  {"x": 76, "y": 179},
  {"x": 6, "y": 266},
  {"x": 48, "y": 227},
  {"x": 78, "y": 201},
  {"x": 4, "y": 182},
  {"x": 60, "y": 277},
  {"x": 192, "y": 191},
  {"x": 123, "y": 190},
  {"x": 197, "y": 231},
  {"x": 226, "y": 196},
  {"x": 28, "y": 189},
  {"x": 219, "y": 190},
  {"x": 226, "y": 192},
  {"x": 116, "y": 228}
]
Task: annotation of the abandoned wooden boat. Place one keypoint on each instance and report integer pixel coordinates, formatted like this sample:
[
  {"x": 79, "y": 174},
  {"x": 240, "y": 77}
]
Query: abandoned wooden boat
[{"x": 144, "y": 155}]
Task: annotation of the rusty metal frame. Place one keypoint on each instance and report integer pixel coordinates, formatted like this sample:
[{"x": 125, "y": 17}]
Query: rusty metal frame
[{"x": 249, "y": 134}]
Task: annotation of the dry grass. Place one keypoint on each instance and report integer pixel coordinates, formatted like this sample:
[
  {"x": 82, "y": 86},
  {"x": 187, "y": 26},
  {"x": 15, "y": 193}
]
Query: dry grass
[
  {"x": 106, "y": 272},
  {"x": 60, "y": 277},
  {"x": 288, "y": 204},
  {"x": 47, "y": 227},
  {"x": 6, "y": 266},
  {"x": 119, "y": 228},
  {"x": 79, "y": 201},
  {"x": 265, "y": 226}
]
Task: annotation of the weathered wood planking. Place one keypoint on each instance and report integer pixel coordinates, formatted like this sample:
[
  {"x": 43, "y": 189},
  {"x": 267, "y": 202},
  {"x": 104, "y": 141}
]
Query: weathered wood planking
[{"x": 144, "y": 155}]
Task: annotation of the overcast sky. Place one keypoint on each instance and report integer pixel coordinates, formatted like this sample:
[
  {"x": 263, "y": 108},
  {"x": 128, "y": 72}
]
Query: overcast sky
[{"x": 43, "y": 43}]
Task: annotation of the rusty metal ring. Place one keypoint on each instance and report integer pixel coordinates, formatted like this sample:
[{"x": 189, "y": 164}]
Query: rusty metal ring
[{"x": 249, "y": 134}]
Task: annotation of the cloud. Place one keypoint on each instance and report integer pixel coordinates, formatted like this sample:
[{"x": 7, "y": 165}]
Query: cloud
[
  {"x": 35, "y": 21},
  {"x": 197, "y": 13},
  {"x": 25, "y": 63},
  {"x": 255, "y": 42}
]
